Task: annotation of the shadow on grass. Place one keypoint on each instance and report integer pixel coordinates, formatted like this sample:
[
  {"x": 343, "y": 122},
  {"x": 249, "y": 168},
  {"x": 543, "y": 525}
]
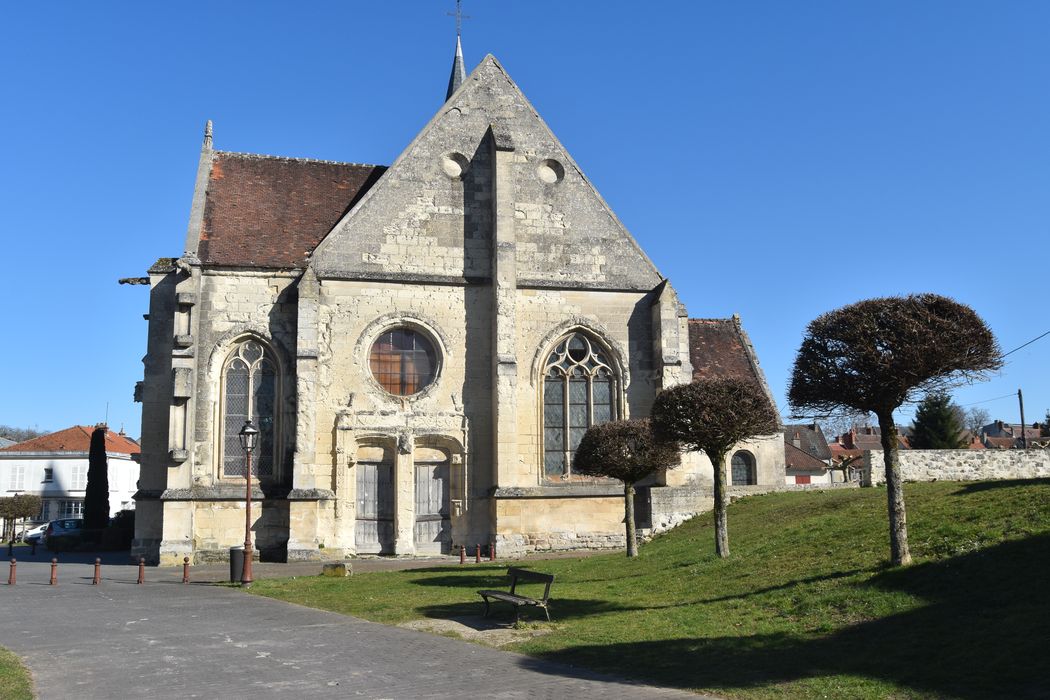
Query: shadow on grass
[
  {"x": 978, "y": 486},
  {"x": 561, "y": 609},
  {"x": 984, "y": 634}
]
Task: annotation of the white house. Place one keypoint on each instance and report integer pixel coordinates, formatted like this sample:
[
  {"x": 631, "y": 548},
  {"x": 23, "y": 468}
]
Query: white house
[{"x": 55, "y": 468}]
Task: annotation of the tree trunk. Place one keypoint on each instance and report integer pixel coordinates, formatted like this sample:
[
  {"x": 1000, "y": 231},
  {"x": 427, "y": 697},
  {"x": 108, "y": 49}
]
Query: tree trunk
[
  {"x": 628, "y": 509},
  {"x": 899, "y": 554},
  {"x": 721, "y": 525}
]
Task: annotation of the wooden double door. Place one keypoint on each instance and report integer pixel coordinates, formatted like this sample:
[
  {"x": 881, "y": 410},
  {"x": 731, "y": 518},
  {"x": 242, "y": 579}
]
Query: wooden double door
[{"x": 375, "y": 527}]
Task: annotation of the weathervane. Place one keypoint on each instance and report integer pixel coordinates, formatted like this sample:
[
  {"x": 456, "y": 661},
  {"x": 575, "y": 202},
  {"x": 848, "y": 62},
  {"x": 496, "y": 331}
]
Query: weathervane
[{"x": 458, "y": 14}]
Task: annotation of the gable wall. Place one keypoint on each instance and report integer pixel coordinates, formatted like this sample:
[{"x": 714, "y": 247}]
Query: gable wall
[{"x": 431, "y": 212}]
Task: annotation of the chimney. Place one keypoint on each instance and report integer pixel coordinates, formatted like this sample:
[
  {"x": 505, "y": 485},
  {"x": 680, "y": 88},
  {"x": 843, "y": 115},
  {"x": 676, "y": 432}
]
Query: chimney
[{"x": 797, "y": 441}]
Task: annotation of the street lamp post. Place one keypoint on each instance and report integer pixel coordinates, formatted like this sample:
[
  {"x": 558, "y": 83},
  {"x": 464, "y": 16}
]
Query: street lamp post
[{"x": 249, "y": 435}]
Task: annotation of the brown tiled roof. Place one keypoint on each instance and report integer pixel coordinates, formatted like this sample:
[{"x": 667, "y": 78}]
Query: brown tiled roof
[
  {"x": 795, "y": 458},
  {"x": 75, "y": 439},
  {"x": 265, "y": 211},
  {"x": 811, "y": 439},
  {"x": 716, "y": 349},
  {"x": 1002, "y": 443}
]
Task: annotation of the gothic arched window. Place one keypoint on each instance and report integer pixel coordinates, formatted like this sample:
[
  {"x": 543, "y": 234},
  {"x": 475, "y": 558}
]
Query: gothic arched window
[
  {"x": 250, "y": 391},
  {"x": 742, "y": 469},
  {"x": 578, "y": 392}
]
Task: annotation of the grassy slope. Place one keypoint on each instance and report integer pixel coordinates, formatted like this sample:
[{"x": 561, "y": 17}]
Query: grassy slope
[
  {"x": 804, "y": 608},
  {"x": 15, "y": 683}
]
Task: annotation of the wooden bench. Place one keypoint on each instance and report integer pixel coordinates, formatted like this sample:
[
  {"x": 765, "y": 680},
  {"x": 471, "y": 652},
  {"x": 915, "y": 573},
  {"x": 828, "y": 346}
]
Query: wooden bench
[{"x": 519, "y": 601}]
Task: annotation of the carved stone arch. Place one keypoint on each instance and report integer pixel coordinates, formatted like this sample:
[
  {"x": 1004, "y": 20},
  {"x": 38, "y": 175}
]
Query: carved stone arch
[
  {"x": 589, "y": 327},
  {"x": 225, "y": 348},
  {"x": 238, "y": 334},
  {"x": 415, "y": 321}
]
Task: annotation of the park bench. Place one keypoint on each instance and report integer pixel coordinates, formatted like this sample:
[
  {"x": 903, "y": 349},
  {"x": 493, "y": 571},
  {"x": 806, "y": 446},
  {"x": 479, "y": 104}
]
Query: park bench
[{"x": 519, "y": 601}]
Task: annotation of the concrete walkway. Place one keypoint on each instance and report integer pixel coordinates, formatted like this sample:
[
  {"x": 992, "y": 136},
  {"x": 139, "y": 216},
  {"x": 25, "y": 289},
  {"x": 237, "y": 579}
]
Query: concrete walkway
[{"x": 169, "y": 640}]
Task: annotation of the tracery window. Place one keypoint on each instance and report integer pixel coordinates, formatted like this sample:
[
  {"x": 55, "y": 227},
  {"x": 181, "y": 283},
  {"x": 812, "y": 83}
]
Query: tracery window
[
  {"x": 403, "y": 361},
  {"x": 249, "y": 392},
  {"x": 578, "y": 392},
  {"x": 742, "y": 469}
]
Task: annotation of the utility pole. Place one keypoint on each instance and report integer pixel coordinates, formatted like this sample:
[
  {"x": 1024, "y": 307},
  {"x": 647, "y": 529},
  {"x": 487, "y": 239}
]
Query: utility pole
[{"x": 1024, "y": 440}]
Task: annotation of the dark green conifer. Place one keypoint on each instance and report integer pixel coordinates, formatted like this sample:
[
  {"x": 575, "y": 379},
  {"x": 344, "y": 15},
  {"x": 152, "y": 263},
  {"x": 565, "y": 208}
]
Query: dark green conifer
[
  {"x": 938, "y": 424},
  {"x": 96, "y": 496}
]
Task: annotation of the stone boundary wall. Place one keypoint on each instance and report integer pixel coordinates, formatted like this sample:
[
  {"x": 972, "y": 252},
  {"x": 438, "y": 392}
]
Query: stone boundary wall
[{"x": 959, "y": 465}]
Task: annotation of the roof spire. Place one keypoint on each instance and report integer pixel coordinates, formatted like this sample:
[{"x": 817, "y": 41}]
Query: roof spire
[
  {"x": 459, "y": 73},
  {"x": 207, "y": 136}
]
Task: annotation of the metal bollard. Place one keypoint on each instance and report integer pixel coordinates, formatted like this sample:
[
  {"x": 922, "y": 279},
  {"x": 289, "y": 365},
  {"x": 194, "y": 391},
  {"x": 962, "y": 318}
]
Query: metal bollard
[
  {"x": 33, "y": 548},
  {"x": 185, "y": 569},
  {"x": 463, "y": 554},
  {"x": 11, "y": 576},
  {"x": 492, "y": 551},
  {"x": 98, "y": 573},
  {"x": 142, "y": 570},
  {"x": 477, "y": 555},
  {"x": 54, "y": 573}
]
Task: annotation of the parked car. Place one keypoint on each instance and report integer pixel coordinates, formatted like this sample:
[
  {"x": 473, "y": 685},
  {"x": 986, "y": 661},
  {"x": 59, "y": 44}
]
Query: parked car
[
  {"x": 60, "y": 528},
  {"x": 34, "y": 534}
]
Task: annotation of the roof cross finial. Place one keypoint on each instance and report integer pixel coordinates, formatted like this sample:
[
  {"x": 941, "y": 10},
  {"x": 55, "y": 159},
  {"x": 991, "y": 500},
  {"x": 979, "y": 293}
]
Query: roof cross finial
[{"x": 458, "y": 14}]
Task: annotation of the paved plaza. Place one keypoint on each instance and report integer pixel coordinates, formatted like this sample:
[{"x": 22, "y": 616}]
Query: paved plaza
[{"x": 165, "y": 639}]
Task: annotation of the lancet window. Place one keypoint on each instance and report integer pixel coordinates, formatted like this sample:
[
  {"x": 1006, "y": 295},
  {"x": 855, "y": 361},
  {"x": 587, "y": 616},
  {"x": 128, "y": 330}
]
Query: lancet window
[
  {"x": 250, "y": 391},
  {"x": 578, "y": 391}
]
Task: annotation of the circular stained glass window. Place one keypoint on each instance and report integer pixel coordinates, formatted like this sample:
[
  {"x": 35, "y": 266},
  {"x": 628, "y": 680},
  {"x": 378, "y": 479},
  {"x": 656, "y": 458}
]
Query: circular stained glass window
[{"x": 403, "y": 361}]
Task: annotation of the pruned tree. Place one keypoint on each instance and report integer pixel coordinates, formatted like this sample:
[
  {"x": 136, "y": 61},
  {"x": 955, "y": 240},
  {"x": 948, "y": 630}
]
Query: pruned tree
[
  {"x": 626, "y": 450},
  {"x": 14, "y": 508},
  {"x": 879, "y": 354},
  {"x": 713, "y": 415},
  {"x": 938, "y": 424},
  {"x": 977, "y": 418},
  {"x": 1045, "y": 432},
  {"x": 96, "y": 495}
]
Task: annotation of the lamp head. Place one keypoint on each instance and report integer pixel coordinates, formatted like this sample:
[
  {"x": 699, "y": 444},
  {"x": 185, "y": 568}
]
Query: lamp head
[{"x": 249, "y": 436}]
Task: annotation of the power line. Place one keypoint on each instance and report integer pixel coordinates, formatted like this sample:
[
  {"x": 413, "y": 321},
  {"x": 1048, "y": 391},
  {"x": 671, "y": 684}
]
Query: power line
[
  {"x": 997, "y": 398},
  {"x": 1026, "y": 344}
]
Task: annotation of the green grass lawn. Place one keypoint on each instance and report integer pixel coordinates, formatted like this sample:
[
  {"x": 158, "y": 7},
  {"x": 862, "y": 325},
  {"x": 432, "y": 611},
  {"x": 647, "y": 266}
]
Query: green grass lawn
[
  {"x": 806, "y": 607},
  {"x": 15, "y": 683}
]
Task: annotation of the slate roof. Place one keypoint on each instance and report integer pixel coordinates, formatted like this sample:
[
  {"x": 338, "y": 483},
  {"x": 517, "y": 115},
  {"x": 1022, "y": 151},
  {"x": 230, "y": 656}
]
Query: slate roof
[
  {"x": 719, "y": 347},
  {"x": 75, "y": 439},
  {"x": 271, "y": 212},
  {"x": 797, "y": 459},
  {"x": 811, "y": 439}
]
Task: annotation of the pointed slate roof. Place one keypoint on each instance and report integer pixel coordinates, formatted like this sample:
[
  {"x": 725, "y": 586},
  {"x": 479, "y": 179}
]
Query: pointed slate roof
[{"x": 459, "y": 72}]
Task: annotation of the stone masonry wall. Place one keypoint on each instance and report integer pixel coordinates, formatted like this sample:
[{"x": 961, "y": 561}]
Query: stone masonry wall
[{"x": 960, "y": 465}]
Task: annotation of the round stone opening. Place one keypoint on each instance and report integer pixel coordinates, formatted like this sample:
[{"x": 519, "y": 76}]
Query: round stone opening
[
  {"x": 550, "y": 171},
  {"x": 403, "y": 361},
  {"x": 454, "y": 164}
]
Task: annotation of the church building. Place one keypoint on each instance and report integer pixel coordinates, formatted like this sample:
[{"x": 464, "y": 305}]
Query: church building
[{"x": 421, "y": 346}]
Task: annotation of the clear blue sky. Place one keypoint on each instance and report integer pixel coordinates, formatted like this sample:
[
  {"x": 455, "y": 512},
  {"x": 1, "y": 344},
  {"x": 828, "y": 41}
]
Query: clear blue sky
[{"x": 775, "y": 159}]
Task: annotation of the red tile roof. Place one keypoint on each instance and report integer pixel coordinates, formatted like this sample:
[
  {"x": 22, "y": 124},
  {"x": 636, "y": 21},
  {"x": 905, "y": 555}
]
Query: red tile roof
[
  {"x": 719, "y": 347},
  {"x": 75, "y": 439},
  {"x": 716, "y": 349},
  {"x": 265, "y": 211},
  {"x": 794, "y": 458}
]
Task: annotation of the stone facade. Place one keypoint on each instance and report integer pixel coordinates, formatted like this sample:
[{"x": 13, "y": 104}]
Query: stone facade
[
  {"x": 959, "y": 465},
  {"x": 485, "y": 239}
]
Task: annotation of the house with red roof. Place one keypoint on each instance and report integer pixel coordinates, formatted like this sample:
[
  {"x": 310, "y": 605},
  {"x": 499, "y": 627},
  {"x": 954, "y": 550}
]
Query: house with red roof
[{"x": 55, "y": 467}]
